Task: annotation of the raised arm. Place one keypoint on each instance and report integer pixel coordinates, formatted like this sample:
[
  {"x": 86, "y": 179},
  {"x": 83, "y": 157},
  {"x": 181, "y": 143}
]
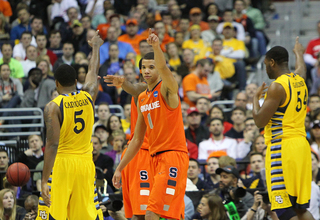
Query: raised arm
[
  {"x": 130, "y": 88},
  {"x": 52, "y": 118},
  {"x": 91, "y": 83},
  {"x": 301, "y": 68},
  {"x": 169, "y": 84},
  {"x": 133, "y": 148}
]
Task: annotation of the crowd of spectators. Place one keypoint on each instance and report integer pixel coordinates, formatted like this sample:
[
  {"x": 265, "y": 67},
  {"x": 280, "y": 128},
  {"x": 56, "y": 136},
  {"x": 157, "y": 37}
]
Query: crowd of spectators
[{"x": 210, "y": 46}]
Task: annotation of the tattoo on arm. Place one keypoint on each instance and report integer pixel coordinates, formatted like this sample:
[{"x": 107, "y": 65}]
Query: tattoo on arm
[{"x": 48, "y": 121}]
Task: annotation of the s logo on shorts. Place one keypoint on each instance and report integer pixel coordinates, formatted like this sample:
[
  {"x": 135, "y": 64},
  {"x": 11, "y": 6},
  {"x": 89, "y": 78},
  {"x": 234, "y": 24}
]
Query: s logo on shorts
[
  {"x": 279, "y": 199},
  {"x": 143, "y": 175},
  {"x": 173, "y": 172}
]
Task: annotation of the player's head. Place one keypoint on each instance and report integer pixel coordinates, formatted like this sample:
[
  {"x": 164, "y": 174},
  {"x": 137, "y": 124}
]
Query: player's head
[
  {"x": 276, "y": 57},
  {"x": 4, "y": 159},
  {"x": 148, "y": 68},
  {"x": 65, "y": 76}
]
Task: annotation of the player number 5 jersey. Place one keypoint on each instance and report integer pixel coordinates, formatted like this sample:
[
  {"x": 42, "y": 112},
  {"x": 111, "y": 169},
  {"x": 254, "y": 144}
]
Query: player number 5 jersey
[{"x": 77, "y": 111}]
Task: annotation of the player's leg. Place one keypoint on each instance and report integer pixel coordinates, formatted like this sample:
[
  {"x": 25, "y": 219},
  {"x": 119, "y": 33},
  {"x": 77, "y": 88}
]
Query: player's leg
[
  {"x": 304, "y": 214},
  {"x": 151, "y": 215},
  {"x": 136, "y": 185},
  {"x": 61, "y": 187},
  {"x": 138, "y": 217},
  {"x": 82, "y": 200}
]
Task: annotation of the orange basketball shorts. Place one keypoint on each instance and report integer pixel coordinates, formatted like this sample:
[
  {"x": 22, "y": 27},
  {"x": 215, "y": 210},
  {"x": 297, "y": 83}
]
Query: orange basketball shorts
[
  {"x": 169, "y": 184},
  {"x": 136, "y": 184}
]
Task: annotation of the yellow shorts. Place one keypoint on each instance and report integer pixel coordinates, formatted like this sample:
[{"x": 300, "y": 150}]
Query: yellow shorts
[
  {"x": 43, "y": 209},
  {"x": 288, "y": 173},
  {"x": 72, "y": 188}
]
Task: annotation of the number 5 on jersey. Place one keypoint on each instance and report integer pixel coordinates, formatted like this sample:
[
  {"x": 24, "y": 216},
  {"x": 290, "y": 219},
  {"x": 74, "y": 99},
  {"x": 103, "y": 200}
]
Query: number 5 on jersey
[{"x": 77, "y": 119}]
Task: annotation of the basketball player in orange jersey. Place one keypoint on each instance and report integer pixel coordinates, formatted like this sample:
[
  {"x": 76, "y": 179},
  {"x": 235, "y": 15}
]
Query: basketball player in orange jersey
[
  {"x": 136, "y": 182},
  {"x": 159, "y": 113}
]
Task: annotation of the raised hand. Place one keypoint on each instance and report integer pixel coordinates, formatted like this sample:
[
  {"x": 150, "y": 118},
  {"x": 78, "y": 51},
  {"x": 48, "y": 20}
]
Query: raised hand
[
  {"x": 112, "y": 80},
  {"x": 152, "y": 39},
  {"x": 261, "y": 91},
  {"x": 298, "y": 48},
  {"x": 95, "y": 40}
]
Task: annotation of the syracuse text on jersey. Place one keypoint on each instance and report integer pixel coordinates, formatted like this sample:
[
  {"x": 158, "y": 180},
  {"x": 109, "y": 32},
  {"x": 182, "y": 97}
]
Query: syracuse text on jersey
[{"x": 149, "y": 107}]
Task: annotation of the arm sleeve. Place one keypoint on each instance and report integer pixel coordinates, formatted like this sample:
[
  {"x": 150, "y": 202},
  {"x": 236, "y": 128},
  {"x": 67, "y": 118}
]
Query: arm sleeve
[
  {"x": 243, "y": 149},
  {"x": 241, "y": 34},
  {"x": 19, "y": 70},
  {"x": 7, "y": 9},
  {"x": 259, "y": 23},
  {"x": 19, "y": 87},
  {"x": 202, "y": 152},
  {"x": 237, "y": 54},
  {"x": 308, "y": 58}
]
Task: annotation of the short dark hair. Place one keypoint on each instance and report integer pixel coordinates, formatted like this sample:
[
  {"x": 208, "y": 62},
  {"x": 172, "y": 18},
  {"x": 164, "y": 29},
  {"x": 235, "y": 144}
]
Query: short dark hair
[
  {"x": 67, "y": 42},
  {"x": 314, "y": 95},
  {"x": 247, "y": 119},
  {"x": 140, "y": 64},
  {"x": 142, "y": 41},
  {"x": 228, "y": 10},
  {"x": 65, "y": 75},
  {"x": 238, "y": 108},
  {"x": 149, "y": 56},
  {"x": 97, "y": 137},
  {"x": 41, "y": 34},
  {"x": 34, "y": 69},
  {"x": 4, "y": 65},
  {"x": 198, "y": 164},
  {"x": 5, "y": 43},
  {"x": 5, "y": 151},
  {"x": 217, "y": 39},
  {"x": 55, "y": 32},
  {"x": 279, "y": 54},
  {"x": 203, "y": 62},
  {"x": 213, "y": 119},
  {"x": 26, "y": 32},
  {"x": 72, "y": 8},
  {"x": 253, "y": 153},
  {"x": 36, "y": 17}
]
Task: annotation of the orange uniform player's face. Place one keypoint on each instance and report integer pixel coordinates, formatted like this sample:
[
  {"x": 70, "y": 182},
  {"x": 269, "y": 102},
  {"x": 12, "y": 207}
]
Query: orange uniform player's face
[{"x": 149, "y": 72}]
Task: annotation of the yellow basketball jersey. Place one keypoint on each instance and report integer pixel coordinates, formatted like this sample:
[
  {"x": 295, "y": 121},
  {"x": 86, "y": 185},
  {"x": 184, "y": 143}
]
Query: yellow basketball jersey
[
  {"x": 288, "y": 120},
  {"x": 77, "y": 111}
]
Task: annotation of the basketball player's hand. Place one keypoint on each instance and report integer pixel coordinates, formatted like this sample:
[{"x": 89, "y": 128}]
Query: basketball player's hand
[
  {"x": 116, "y": 179},
  {"x": 153, "y": 39},
  {"x": 95, "y": 40},
  {"x": 45, "y": 193},
  {"x": 112, "y": 80},
  {"x": 261, "y": 91},
  {"x": 298, "y": 48}
]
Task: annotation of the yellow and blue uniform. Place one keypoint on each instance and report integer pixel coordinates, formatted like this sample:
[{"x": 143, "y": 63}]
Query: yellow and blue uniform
[
  {"x": 288, "y": 159},
  {"x": 72, "y": 185}
]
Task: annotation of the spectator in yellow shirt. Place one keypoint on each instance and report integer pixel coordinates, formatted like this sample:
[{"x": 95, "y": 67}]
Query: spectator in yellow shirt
[
  {"x": 199, "y": 46},
  {"x": 235, "y": 50}
]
